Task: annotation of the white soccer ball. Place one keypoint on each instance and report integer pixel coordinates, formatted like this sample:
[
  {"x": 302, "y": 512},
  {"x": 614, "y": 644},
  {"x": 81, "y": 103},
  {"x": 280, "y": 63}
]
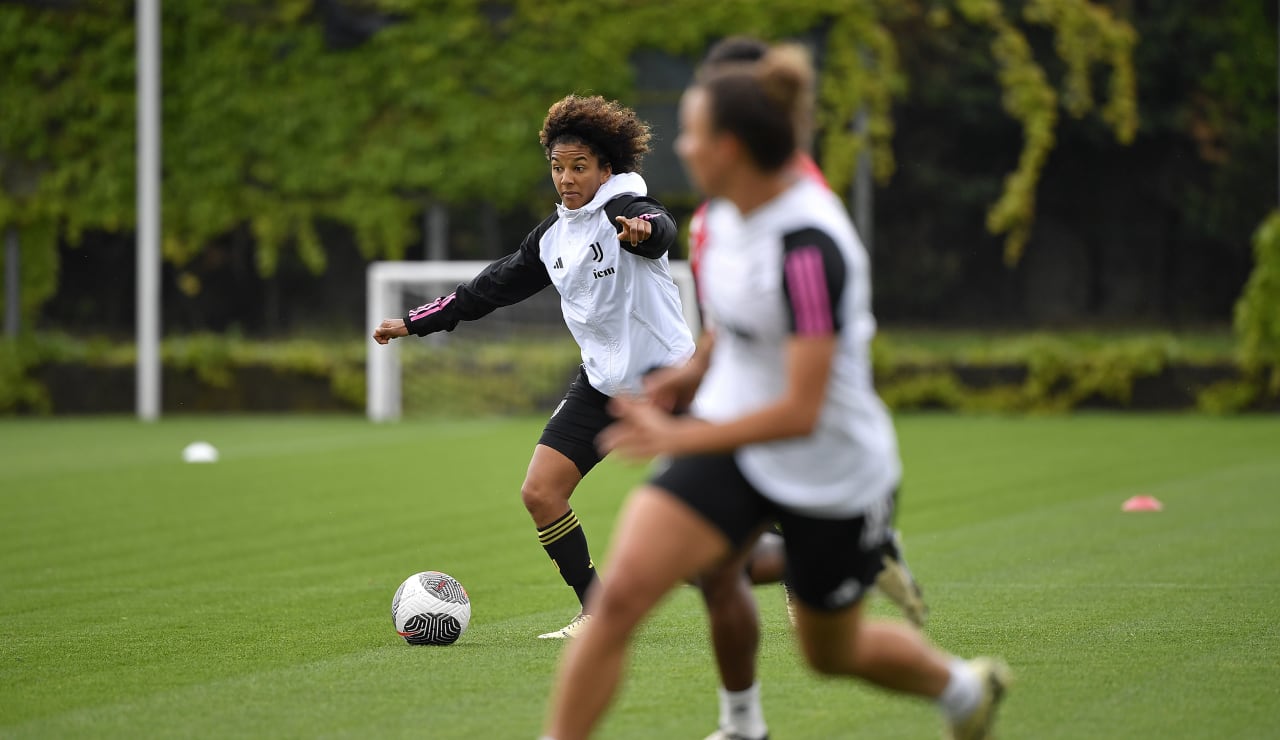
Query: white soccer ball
[
  {"x": 200, "y": 452},
  {"x": 431, "y": 608}
]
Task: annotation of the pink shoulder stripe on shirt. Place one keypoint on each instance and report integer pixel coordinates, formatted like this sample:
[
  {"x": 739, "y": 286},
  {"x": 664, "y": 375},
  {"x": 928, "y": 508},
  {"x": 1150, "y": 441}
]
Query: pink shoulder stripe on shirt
[{"x": 807, "y": 284}]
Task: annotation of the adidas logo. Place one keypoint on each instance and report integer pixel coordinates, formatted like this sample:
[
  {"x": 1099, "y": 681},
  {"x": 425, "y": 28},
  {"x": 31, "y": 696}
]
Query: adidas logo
[{"x": 558, "y": 264}]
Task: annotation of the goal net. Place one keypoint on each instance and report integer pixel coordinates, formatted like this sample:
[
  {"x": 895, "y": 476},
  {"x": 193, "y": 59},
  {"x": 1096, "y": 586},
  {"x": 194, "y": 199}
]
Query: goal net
[{"x": 518, "y": 359}]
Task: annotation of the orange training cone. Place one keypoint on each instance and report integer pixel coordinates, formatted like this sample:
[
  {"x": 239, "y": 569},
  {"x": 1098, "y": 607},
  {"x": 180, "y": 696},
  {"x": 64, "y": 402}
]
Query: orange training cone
[{"x": 1143, "y": 503}]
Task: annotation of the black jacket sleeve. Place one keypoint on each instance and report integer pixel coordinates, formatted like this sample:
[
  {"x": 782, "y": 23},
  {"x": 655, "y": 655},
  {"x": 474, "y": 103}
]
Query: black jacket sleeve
[
  {"x": 509, "y": 280},
  {"x": 663, "y": 237}
]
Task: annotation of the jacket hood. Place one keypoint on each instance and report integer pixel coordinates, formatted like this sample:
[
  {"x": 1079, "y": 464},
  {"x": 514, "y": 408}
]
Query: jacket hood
[{"x": 627, "y": 183}]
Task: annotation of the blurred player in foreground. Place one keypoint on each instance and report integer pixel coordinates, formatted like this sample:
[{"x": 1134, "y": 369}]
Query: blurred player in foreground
[
  {"x": 605, "y": 251},
  {"x": 735, "y": 624},
  {"x": 790, "y": 430}
]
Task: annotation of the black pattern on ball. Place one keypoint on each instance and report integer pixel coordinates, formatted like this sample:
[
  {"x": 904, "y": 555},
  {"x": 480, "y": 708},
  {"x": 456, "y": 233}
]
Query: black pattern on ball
[
  {"x": 431, "y": 629},
  {"x": 444, "y": 588},
  {"x": 395, "y": 603}
]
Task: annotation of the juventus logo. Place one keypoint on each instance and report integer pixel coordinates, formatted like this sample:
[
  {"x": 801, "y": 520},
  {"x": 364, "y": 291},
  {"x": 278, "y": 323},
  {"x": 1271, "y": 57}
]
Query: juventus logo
[{"x": 597, "y": 252}]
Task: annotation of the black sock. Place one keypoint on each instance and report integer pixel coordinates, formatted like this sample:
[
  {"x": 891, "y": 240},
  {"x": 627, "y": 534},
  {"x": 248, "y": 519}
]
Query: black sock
[{"x": 566, "y": 545}]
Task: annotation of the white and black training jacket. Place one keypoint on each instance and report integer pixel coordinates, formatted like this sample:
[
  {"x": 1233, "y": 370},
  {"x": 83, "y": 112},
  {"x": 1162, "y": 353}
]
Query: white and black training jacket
[
  {"x": 619, "y": 301},
  {"x": 794, "y": 267}
]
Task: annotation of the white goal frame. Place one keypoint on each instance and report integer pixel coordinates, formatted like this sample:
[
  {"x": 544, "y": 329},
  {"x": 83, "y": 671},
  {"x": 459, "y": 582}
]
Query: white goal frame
[{"x": 386, "y": 282}]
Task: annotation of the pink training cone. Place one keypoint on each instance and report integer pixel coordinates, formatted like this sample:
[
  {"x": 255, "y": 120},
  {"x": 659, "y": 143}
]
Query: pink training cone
[{"x": 1143, "y": 503}]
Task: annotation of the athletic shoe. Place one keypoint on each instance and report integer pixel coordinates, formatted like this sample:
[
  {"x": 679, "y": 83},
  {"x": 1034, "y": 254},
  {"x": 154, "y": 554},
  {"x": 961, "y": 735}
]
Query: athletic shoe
[
  {"x": 995, "y": 677},
  {"x": 899, "y": 586},
  {"x": 726, "y": 735},
  {"x": 572, "y": 629}
]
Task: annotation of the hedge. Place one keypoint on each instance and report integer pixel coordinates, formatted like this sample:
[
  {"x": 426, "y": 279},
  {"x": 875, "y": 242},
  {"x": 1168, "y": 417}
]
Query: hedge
[{"x": 914, "y": 370}]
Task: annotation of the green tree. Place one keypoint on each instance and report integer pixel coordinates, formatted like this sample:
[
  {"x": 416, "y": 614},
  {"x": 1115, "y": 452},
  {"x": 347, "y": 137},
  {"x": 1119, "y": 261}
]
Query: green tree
[
  {"x": 266, "y": 124},
  {"x": 1257, "y": 319},
  {"x": 66, "y": 133}
]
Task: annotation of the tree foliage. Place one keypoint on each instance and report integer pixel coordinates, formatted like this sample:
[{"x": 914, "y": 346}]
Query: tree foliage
[
  {"x": 274, "y": 120},
  {"x": 66, "y": 133},
  {"x": 1085, "y": 35},
  {"x": 1257, "y": 319},
  {"x": 1230, "y": 113}
]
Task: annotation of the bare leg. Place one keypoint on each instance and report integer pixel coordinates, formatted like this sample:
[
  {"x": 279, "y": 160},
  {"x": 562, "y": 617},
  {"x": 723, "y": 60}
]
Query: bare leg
[
  {"x": 548, "y": 484},
  {"x": 660, "y": 543},
  {"x": 735, "y": 625},
  {"x": 735, "y": 637},
  {"x": 768, "y": 560},
  {"x": 887, "y": 654},
  {"x": 896, "y": 657},
  {"x": 735, "y": 621}
]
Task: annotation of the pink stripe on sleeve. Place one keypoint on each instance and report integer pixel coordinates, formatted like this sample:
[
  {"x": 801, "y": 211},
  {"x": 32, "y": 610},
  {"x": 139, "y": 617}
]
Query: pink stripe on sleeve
[
  {"x": 821, "y": 319},
  {"x": 421, "y": 312},
  {"x": 807, "y": 284}
]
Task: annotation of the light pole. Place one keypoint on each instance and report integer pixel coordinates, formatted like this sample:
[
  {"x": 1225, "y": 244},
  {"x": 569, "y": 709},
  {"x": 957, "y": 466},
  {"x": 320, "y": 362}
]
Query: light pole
[{"x": 148, "y": 250}]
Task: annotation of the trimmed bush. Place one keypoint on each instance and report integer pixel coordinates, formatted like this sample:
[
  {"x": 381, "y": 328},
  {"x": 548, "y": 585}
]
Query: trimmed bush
[{"x": 1029, "y": 373}]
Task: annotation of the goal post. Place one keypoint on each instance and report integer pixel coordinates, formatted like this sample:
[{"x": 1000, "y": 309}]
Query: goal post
[{"x": 395, "y": 287}]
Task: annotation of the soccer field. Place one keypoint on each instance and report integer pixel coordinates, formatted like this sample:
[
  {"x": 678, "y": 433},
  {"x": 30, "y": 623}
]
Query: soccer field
[{"x": 142, "y": 597}]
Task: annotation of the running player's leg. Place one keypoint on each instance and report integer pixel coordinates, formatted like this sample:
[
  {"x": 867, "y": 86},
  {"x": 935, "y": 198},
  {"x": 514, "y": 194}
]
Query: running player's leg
[
  {"x": 897, "y": 582},
  {"x": 899, "y": 585},
  {"x": 833, "y": 564},
  {"x": 767, "y": 562},
  {"x": 660, "y": 542},
  {"x": 896, "y": 657},
  {"x": 735, "y": 638},
  {"x": 888, "y": 654}
]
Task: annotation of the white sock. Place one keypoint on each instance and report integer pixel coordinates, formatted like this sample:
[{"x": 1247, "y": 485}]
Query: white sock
[
  {"x": 741, "y": 713},
  {"x": 963, "y": 691}
]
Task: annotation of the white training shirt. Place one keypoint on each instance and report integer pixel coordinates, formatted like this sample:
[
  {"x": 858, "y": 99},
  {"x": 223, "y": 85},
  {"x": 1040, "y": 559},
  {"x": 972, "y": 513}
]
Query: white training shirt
[
  {"x": 622, "y": 308},
  {"x": 619, "y": 300},
  {"x": 795, "y": 267}
]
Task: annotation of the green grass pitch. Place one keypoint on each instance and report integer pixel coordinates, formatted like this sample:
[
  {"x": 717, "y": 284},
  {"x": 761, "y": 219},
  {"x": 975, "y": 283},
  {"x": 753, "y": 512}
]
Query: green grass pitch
[{"x": 142, "y": 597}]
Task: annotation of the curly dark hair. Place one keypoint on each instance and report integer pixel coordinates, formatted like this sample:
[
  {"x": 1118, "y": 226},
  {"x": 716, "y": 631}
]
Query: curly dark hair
[{"x": 611, "y": 130}]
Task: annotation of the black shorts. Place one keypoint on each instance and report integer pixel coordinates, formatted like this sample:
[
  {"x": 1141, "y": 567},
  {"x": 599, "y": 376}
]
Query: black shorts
[
  {"x": 576, "y": 422},
  {"x": 831, "y": 563}
]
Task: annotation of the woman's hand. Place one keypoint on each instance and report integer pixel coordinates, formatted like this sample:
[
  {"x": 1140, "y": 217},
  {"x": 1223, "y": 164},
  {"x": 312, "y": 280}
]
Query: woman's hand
[
  {"x": 672, "y": 388},
  {"x": 390, "y": 329},
  {"x": 634, "y": 230},
  {"x": 643, "y": 431}
]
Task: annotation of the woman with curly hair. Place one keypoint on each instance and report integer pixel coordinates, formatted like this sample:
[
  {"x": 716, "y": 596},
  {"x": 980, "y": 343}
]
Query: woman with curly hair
[{"x": 604, "y": 248}]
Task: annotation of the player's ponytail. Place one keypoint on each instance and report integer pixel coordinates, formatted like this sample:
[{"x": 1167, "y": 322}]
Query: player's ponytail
[
  {"x": 786, "y": 74},
  {"x": 765, "y": 104}
]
